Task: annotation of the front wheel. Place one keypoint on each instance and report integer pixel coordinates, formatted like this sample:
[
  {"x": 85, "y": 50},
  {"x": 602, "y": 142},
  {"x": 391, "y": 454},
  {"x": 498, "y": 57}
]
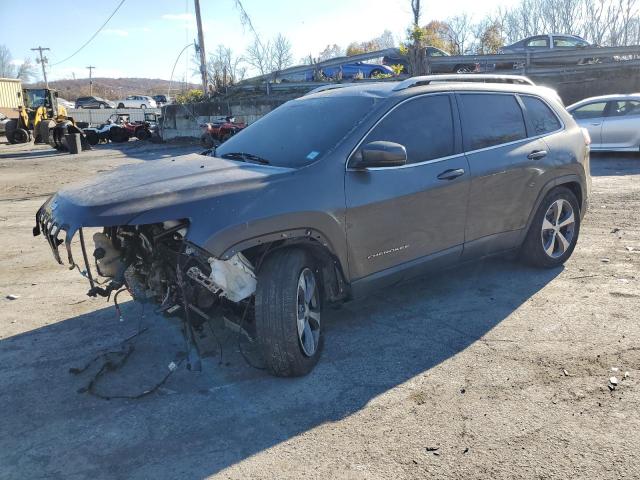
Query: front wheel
[
  {"x": 121, "y": 105},
  {"x": 102, "y": 105},
  {"x": 553, "y": 234},
  {"x": 143, "y": 106},
  {"x": 288, "y": 307}
]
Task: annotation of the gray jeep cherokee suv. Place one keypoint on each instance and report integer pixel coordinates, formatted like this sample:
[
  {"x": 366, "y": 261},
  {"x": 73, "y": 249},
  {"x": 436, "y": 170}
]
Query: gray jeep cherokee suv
[{"x": 328, "y": 197}]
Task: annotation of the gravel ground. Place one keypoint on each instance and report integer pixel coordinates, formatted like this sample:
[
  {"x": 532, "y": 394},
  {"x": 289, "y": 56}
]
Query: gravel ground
[{"x": 492, "y": 370}]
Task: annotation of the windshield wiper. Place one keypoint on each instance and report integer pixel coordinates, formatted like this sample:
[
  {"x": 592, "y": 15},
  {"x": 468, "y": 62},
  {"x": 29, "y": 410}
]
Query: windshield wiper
[{"x": 245, "y": 157}]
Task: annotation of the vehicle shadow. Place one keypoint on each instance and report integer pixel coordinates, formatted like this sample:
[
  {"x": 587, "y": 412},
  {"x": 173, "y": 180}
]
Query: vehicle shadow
[
  {"x": 197, "y": 424},
  {"x": 604, "y": 164}
]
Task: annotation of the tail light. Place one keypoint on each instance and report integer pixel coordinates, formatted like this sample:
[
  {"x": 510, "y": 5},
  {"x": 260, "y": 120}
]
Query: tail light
[{"x": 587, "y": 137}]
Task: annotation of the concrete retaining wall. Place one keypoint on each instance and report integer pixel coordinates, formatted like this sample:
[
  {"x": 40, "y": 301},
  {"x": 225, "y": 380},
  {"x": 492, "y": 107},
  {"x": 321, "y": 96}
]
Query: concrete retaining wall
[{"x": 572, "y": 86}]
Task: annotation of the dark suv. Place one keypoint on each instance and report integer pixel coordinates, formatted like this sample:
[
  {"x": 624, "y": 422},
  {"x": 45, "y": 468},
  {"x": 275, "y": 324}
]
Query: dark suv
[{"x": 330, "y": 196}]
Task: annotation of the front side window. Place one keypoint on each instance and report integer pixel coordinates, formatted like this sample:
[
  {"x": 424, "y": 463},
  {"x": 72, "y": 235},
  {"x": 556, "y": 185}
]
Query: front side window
[
  {"x": 423, "y": 125},
  {"x": 590, "y": 110},
  {"x": 540, "y": 115},
  {"x": 491, "y": 119},
  {"x": 624, "y": 108}
]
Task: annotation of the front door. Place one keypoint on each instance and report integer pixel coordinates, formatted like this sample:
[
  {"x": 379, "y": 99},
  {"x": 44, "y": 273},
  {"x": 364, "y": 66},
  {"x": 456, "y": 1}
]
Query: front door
[
  {"x": 620, "y": 128},
  {"x": 399, "y": 214},
  {"x": 591, "y": 117}
]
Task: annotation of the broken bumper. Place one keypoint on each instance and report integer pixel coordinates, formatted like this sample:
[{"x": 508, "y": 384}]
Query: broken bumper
[{"x": 50, "y": 228}]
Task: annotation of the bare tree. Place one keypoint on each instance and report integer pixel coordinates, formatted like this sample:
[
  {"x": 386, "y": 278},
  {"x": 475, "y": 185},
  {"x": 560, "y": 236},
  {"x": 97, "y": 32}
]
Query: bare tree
[
  {"x": 26, "y": 71},
  {"x": 281, "y": 56},
  {"x": 330, "y": 51},
  {"x": 259, "y": 56},
  {"x": 223, "y": 68},
  {"x": 459, "y": 33},
  {"x": 7, "y": 69}
]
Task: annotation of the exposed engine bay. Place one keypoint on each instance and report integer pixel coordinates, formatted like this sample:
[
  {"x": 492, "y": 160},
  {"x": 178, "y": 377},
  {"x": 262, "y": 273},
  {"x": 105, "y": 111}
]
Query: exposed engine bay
[{"x": 155, "y": 264}]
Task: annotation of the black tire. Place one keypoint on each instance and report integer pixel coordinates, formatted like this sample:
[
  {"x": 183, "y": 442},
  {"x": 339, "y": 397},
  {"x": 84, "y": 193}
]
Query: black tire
[
  {"x": 118, "y": 135},
  {"x": 9, "y": 130},
  {"x": 20, "y": 135},
  {"x": 375, "y": 72},
  {"x": 92, "y": 137},
  {"x": 276, "y": 313},
  {"x": 102, "y": 105},
  {"x": 121, "y": 105},
  {"x": 206, "y": 140},
  {"x": 533, "y": 250},
  {"x": 142, "y": 134},
  {"x": 143, "y": 106}
]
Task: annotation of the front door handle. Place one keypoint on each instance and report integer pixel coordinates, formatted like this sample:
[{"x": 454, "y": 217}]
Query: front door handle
[
  {"x": 451, "y": 174},
  {"x": 537, "y": 154},
  {"x": 596, "y": 124}
]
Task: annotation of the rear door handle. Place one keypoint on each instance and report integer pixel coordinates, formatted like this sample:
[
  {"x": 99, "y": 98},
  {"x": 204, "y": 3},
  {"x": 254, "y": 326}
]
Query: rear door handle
[
  {"x": 537, "y": 154},
  {"x": 451, "y": 174}
]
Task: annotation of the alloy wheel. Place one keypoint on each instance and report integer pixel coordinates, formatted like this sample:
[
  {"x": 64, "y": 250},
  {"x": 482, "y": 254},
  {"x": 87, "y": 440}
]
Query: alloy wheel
[
  {"x": 308, "y": 312},
  {"x": 558, "y": 228}
]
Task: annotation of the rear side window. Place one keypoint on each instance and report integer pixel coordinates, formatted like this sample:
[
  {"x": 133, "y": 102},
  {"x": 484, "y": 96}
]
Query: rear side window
[
  {"x": 541, "y": 117},
  {"x": 490, "y": 120},
  {"x": 624, "y": 108},
  {"x": 591, "y": 110},
  {"x": 538, "y": 42},
  {"x": 424, "y": 126}
]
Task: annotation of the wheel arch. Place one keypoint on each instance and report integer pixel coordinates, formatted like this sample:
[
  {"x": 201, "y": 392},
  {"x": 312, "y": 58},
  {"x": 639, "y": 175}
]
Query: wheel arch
[{"x": 572, "y": 182}]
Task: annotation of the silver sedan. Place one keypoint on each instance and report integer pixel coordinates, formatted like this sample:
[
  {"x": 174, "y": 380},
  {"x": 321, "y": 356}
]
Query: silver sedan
[{"x": 613, "y": 121}]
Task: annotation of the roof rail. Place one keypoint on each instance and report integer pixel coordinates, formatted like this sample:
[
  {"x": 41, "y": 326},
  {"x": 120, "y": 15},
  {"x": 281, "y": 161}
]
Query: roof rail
[{"x": 462, "y": 77}]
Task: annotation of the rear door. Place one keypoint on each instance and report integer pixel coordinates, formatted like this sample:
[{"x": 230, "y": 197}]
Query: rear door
[
  {"x": 591, "y": 116},
  {"x": 621, "y": 126},
  {"x": 399, "y": 214},
  {"x": 502, "y": 160}
]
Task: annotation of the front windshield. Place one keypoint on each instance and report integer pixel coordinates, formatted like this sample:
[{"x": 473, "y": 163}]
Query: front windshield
[
  {"x": 34, "y": 98},
  {"x": 300, "y": 131}
]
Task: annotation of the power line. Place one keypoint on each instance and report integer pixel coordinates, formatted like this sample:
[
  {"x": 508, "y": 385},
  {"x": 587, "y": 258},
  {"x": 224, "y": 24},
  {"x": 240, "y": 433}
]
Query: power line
[{"x": 92, "y": 37}]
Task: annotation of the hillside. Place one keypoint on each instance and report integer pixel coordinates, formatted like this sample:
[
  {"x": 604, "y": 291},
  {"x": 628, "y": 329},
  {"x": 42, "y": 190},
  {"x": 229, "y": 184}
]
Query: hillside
[{"x": 115, "y": 88}]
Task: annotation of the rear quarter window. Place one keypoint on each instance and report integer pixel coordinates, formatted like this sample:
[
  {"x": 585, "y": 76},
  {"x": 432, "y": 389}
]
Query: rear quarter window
[
  {"x": 541, "y": 117},
  {"x": 491, "y": 119}
]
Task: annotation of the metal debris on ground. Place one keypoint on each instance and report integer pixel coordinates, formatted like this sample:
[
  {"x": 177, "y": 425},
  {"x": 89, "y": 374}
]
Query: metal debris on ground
[
  {"x": 613, "y": 381},
  {"x": 626, "y": 375},
  {"x": 605, "y": 260},
  {"x": 12, "y": 297},
  {"x": 565, "y": 373}
]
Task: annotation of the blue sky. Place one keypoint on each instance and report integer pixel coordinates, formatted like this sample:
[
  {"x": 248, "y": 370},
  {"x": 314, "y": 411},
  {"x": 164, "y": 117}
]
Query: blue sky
[{"x": 144, "y": 38}]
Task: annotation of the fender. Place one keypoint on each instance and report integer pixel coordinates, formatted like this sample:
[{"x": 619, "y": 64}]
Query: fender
[
  {"x": 318, "y": 227},
  {"x": 554, "y": 182}
]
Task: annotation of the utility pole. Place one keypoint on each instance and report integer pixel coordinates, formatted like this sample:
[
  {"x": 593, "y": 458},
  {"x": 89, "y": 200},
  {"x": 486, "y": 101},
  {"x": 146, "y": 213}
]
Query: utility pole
[
  {"x": 203, "y": 57},
  {"x": 42, "y": 61},
  {"x": 90, "y": 67}
]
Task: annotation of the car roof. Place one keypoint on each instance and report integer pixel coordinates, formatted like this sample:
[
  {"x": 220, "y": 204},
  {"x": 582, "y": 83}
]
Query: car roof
[
  {"x": 418, "y": 85},
  {"x": 605, "y": 98}
]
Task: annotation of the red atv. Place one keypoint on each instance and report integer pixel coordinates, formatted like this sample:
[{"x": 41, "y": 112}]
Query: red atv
[
  {"x": 215, "y": 133},
  {"x": 126, "y": 129}
]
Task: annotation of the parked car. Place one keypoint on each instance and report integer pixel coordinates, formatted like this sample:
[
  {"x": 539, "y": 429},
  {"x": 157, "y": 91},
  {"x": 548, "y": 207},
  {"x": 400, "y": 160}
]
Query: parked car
[
  {"x": 435, "y": 68},
  {"x": 613, "y": 121},
  {"x": 94, "y": 102},
  {"x": 330, "y": 196},
  {"x": 137, "y": 101},
  {"x": 161, "y": 100},
  {"x": 351, "y": 70},
  {"x": 3, "y": 122},
  {"x": 553, "y": 42}
]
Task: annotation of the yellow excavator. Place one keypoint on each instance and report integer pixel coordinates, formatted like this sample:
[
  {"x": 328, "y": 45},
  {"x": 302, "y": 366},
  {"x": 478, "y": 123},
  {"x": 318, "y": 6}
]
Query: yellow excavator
[{"x": 40, "y": 119}]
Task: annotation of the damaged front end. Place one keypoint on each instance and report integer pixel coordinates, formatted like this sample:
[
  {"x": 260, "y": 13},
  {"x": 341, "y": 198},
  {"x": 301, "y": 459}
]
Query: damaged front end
[{"x": 154, "y": 263}]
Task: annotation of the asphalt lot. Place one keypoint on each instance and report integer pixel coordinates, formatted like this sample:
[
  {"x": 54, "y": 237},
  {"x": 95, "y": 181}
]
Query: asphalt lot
[{"x": 492, "y": 370}]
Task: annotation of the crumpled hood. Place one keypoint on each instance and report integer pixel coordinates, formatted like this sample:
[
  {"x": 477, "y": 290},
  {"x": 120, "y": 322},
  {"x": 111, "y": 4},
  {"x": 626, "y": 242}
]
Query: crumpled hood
[{"x": 166, "y": 189}]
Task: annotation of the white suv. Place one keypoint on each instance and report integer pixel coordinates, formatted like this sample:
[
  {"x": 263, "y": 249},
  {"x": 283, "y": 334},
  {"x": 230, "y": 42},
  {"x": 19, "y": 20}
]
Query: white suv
[{"x": 137, "y": 101}]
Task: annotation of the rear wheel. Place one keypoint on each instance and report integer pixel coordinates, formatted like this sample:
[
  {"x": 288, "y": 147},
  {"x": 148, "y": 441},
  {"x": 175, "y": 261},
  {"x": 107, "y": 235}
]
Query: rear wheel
[
  {"x": 554, "y": 231},
  {"x": 20, "y": 135},
  {"x": 143, "y": 106},
  {"x": 10, "y": 129},
  {"x": 118, "y": 135},
  {"x": 288, "y": 307},
  {"x": 102, "y": 105},
  {"x": 121, "y": 105},
  {"x": 375, "y": 73},
  {"x": 206, "y": 140},
  {"x": 92, "y": 137},
  {"x": 142, "y": 134}
]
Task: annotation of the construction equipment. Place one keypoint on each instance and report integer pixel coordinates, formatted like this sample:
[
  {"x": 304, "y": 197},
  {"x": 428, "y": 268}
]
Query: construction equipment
[{"x": 41, "y": 119}]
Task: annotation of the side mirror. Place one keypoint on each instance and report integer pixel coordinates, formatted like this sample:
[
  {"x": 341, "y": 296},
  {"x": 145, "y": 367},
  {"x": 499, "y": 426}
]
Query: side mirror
[{"x": 380, "y": 154}]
